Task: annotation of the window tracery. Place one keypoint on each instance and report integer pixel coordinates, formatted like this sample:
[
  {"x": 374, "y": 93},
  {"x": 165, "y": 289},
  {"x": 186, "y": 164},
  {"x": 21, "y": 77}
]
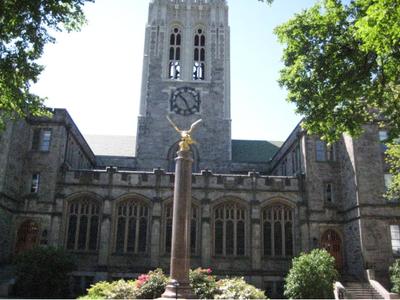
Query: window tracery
[
  {"x": 83, "y": 225},
  {"x": 194, "y": 225},
  {"x": 199, "y": 55},
  {"x": 230, "y": 229},
  {"x": 175, "y": 42},
  {"x": 132, "y": 218},
  {"x": 278, "y": 230}
]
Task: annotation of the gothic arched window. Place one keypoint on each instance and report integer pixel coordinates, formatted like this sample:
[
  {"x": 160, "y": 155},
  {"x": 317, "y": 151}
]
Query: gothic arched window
[
  {"x": 175, "y": 42},
  {"x": 199, "y": 55},
  {"x": 230, "y": 229},
  {"x": 278, "y": 230},
  {"x": 83, "y": 225},
  {"x": 132, "y": 218},
  {"x": 194, "y": 225}
]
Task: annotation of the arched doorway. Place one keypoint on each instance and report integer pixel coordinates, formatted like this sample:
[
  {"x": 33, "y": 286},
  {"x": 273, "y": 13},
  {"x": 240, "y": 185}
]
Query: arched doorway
[
  {"x": 332, "y": 242},
  {"x": 27, "y": 236}
]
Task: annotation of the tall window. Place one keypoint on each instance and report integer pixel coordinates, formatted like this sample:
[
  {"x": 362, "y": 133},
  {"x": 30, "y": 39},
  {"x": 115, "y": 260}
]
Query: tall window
[
  {"x": 230, "y": 229},
  {"x": 323, "y": 151},
  {"x": 83, "y": 225},
  {"x": 35, "y": 183},
  {"x": 41, "y": 139},
  {"x": 296, "y": 162},
  {"x": 328, "y": 192},
  {"x": 194, "y": 224},
  {"x": 383, "y": 136},
  {"x": 199, "y": 54},
  {"x": 131, "y": 227},
  {"x": 175, "y": 42},
  {"x": 388, "y": 180},
  {"x": 278, "y": 230},
  {"x": 395, "y": 236}
]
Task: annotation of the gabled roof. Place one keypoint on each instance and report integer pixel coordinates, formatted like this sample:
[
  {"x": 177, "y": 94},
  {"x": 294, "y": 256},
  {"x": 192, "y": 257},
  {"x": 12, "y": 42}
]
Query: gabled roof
[
  {"x": 254, "y": 151},
  {"x": 113, "y": 145}
]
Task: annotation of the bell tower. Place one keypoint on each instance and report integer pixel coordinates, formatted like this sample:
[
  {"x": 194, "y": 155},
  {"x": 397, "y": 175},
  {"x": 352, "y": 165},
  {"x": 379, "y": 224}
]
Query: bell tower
[{"x": 186, "y": 75}]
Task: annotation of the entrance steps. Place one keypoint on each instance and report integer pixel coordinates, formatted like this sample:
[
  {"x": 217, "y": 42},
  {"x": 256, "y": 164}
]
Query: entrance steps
[{"x": 360, "y": 290}]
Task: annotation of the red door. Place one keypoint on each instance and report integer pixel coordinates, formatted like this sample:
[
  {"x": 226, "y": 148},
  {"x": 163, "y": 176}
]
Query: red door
[
  {"x": 27, "y": 236},
  {"x": 333, "y": 244}
]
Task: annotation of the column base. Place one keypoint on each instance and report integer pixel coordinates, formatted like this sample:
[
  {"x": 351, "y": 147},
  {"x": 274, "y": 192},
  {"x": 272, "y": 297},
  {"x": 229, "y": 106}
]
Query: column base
[{"x": 182, "y": 291}]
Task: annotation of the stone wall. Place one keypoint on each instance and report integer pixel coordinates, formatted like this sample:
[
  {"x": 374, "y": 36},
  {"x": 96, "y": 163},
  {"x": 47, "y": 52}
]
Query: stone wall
[{"x": 6, "y": 237}]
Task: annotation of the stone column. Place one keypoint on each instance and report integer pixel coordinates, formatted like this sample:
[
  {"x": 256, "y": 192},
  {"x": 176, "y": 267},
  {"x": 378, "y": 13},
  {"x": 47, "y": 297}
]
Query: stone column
[
  {"x": 105, "y": 234},
  {"x": 255, "y": 235},
  {"x": 179, "y": 286}
]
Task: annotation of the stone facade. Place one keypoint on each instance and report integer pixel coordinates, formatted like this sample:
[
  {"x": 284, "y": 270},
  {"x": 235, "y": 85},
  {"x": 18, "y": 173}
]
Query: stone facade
[{"x": 249, "y": 217}]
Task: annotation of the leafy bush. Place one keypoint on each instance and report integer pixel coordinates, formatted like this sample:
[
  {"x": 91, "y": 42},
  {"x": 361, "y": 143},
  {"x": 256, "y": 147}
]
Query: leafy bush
[
  {"x": 151, "y": 286},
  {"x": 312, "y": 276},
  {"x": 42, "y": 272},
  {"x": 100, "y": 290},
  {"x": 119, "y": 289},
  {"x": 203, "y": 283},
  {"x": 237, "y": 288},
  {"x": 395, "y": 276}
]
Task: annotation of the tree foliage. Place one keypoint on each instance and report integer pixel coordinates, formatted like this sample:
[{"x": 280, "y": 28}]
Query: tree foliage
[
  {"x": 395, "y": 276},
  {"x": 26, "y": 27},
  {"x": 393, "y": 158},
  {"x": 342, "y": 67},
  {"x": 312, "y": 276},
  {"x": 43, "y": 273}
]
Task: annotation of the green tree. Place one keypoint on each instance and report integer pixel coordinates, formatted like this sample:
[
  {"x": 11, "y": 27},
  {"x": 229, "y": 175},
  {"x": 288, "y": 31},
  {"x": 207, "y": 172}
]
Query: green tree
[
  {"x": 395, "y": 276},
  {"x": 43, "y": 273},
  {"x": 311, "y": 276},
  {"x": 341, "y": 69},
  {"x": 26, "y": 26}
]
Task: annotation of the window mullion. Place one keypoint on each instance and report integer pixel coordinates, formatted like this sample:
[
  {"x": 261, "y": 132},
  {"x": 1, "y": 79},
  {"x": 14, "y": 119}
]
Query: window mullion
[
  {"x": 126, "y": 233},
  {"x": 273, "y": 235},
  {"x": 137, "y": 227},
  {"x": 78, "y": 224},
  {"x": 224, "y": 235},
  {"x": 88, "y": 226},
  {"x": 235, "y": 232},
  {"x": 283, "y": 223}
]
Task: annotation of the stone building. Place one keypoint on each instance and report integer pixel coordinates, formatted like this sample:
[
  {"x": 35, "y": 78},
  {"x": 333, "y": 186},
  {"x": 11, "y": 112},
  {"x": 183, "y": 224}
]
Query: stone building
[{"x": 255, "y": 205}]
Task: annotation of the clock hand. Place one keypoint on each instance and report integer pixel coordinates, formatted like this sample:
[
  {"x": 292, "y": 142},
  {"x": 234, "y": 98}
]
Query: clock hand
[{"x": 184, "y": 100}]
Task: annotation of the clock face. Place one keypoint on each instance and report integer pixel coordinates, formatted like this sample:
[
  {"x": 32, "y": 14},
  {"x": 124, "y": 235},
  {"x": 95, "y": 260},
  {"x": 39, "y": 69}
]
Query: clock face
[{"x": 185, "y": 101}]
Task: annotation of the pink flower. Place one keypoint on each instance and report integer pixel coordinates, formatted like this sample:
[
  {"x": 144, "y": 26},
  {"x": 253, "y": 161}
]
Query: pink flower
[
  {"x": 208, "y": 271},
  {"x": 142, "y": 279}
]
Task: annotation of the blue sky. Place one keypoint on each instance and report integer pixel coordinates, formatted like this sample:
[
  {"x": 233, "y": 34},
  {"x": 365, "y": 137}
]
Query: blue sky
[{"x": 96, "y": 73}]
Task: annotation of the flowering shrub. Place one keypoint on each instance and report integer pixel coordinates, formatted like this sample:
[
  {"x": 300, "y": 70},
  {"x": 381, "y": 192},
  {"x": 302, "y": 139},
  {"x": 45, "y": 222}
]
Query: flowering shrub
[
  {"x": 142, "y": 279},
  {"x": 120, "y": 289},
  {"x": 203, "y": 283},
  {"x": 151, "y": 285},
  {"x": 237, "y": 288}
]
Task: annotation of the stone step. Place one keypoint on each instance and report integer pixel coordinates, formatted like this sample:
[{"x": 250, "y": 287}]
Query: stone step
[{"x": 360, "y": 290}]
